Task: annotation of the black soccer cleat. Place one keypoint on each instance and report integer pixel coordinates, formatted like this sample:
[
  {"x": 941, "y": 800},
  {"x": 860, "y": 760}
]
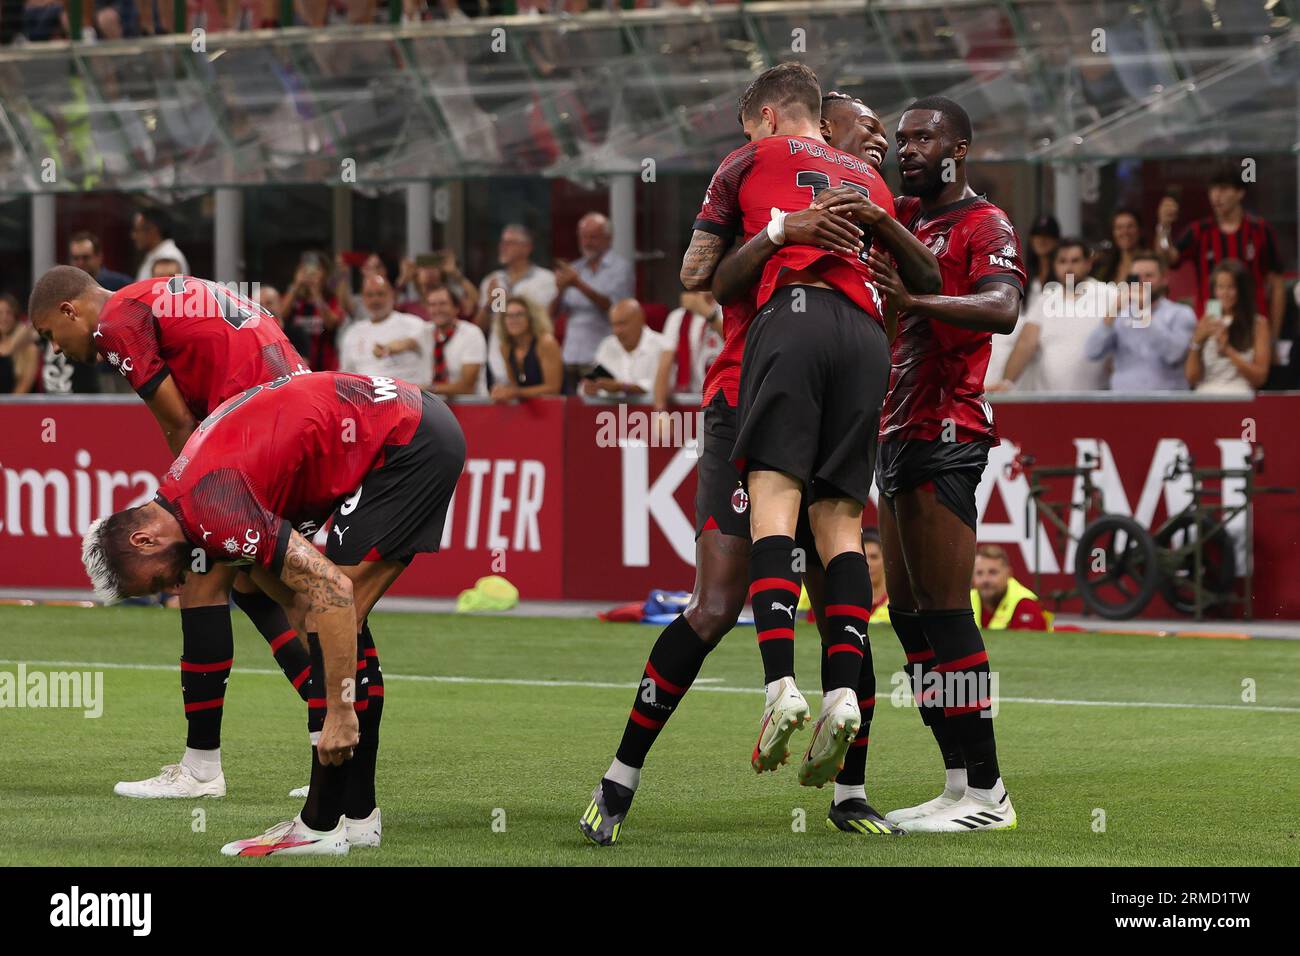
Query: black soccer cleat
[
  {"x": 858, "y": 816},
  {"x": 600, "y": 824}
]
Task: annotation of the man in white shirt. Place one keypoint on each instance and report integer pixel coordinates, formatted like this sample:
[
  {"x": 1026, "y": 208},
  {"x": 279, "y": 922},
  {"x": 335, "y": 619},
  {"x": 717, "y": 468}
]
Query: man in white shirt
[
  {"x": 693, "y": 331},
  {"x": 459, "y": 348},
  {"x": 631, "y": 355},
  {"x": 1050, "y": 354},
  {"x": 149, "y": 233},
  {"x": 588, "y": 288},
  {"x": 517, "y": 276},
  {"x": 390, "y": 344}
]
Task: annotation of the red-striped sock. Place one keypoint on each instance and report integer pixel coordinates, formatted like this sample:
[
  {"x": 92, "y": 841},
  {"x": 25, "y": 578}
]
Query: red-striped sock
[
  {"x": 207, "y": 653},
  {"x": 269, "y": 619},
  {"x": 774, "y": 595},
  {"x": 672, "y": 667},
  {"x": 328, "y": 787},
  {"x": 920, "y": 664},
  {"x": 964, "y": 663},
  {"x": 359, "y": 799},
  {"x": 848, "y": 606}
]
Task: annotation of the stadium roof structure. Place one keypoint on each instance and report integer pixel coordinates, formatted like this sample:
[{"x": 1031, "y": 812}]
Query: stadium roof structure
[{"x": 1046, "y": 81}]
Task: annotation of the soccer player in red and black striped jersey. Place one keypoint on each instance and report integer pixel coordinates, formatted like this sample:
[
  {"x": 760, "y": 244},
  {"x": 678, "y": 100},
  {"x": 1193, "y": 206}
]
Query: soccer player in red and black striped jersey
[
  {"x": 722, "y": 503},
  {"x": 185, "y": 345},
  {"x": 935, "y": 434},
  {"x": 380, "y": 460}
]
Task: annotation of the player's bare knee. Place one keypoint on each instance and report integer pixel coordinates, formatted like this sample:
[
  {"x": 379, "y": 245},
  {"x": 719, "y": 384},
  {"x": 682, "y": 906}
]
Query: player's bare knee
[{"x": 714, "y": 616}]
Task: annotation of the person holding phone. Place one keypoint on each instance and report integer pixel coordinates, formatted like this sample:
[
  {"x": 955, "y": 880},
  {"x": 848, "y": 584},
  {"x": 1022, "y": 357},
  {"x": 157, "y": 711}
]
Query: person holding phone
[{"x": 1231, "y": 345}]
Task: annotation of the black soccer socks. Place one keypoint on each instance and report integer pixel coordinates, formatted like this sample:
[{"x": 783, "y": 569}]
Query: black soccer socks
[
  {"x": 359, "y": 797},
  {"x": 675, "y": 661},
  {"x": 962, "y": 661},
  {"x": 207, "y": 653},
  {"x": 269, "y": 619},
  {"x": 774, "y": 595},
  {"x": 920, "y": 663},
  {"x": 848, "y": 605}
]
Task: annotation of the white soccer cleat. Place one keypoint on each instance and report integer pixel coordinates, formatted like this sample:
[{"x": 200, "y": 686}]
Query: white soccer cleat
[
  {"x": 942, "y": 802},
  {"x": 364, "y": 832},
  {"x": 967, "y": 814},
  {"x": 836, "y": 728},
  {"x": 175, "y": 782},
  {"x": 781, "y": 718},
  {"x": 300, "y": 792},
  {"x": 292, "y": 838}
]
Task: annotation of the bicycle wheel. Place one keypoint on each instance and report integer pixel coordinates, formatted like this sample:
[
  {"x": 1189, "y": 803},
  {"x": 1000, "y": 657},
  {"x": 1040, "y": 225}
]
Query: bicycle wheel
[
  {"x": 1218, "y": 565},
  {"x": 1116, "y": 567}
]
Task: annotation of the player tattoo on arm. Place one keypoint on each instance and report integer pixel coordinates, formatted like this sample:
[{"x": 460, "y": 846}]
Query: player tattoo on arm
[
  {"x": 701, "y": 259},
  {"x": 331, "y": 614}
]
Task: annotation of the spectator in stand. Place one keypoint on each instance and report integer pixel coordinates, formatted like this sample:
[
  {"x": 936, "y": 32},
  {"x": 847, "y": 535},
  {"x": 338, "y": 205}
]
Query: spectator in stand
[
  {"x": 530, "y": 352},
  {"x": 85, "y": 252},
  {"x": 151, "y": 234},
  {"x": 115, "y": 19},
  {"x": 1231, "y": 347},
  {"x": 459, "y": 349},
  {"x": 1050, "y": 348},
  {"x": 421, "y": 275},
  {"x": 312, "y": 311},
  {"x": 588, "y": 289},
  {"x": 166, "y": 268},
  {"x": 1146, "y": 340},
  {"x": 1230, "y": 233},
  {"x": 628, "y": 360},
  {"x": 389, "y": 343},
  {"x": 694, "y": 332},
  {"x": 1000, "y": 601},
  {"x": 1044, "y": 237},
  {"x": 269, "y": 298},
  {"x": 19, "y": 353},
  {"x": 1115, "y": 260},
  {"x": 517, "y": 276}
]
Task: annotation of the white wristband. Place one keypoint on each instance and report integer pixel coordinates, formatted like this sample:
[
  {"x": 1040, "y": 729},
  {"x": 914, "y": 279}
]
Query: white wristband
[{"x": 776, "y": 227}]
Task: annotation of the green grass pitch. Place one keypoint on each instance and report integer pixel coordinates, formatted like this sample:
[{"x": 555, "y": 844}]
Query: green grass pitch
[{"x": 1180, "y": 785}]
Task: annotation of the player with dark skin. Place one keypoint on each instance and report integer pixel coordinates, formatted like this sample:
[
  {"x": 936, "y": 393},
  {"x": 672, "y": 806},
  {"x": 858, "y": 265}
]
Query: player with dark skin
[
  {"x": 928, "y": 542},
  {"x": 929, "y": 565}
]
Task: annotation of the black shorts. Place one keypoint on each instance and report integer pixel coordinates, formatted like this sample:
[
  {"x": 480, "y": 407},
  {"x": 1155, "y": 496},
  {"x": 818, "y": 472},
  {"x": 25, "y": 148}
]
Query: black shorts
[
  {"x": 814, "y": 374},
  {"x": 400, "y": 508},
  {"x": 721, "y": 498},
  {"x": 952, "y": 469},
  {"x": 721, "y": 501}
]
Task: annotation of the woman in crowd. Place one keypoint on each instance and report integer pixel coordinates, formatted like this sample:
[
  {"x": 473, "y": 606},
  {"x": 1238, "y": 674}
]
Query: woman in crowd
[
  {"x": 1231, "y": 346},
  {"x": 1116, "y": 260},
  {"x": 531, "y": 352},
  {"x": 312, "y": 313},
  {"x": 18, "y": 351},
  {"x": 1044, "y": 237}
]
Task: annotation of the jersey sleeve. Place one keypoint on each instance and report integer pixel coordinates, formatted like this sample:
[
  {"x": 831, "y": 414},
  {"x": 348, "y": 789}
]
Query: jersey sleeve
[
  {"x": 226, "y": 517},
  {"x": 127, "y": 337},
  {"x": 993, "y": 253},
  {"x": 720, "y": 213},
  {"x": 1269, "y": 257}
]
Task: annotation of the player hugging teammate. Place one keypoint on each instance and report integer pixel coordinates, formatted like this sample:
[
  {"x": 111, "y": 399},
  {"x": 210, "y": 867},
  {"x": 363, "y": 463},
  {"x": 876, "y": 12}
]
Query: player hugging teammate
[{"x": 791, "y": 411}]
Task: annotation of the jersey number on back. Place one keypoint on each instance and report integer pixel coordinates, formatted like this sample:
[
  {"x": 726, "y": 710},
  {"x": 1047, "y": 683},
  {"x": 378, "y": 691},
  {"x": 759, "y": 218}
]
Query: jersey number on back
[{"x": 818, "y": 181}]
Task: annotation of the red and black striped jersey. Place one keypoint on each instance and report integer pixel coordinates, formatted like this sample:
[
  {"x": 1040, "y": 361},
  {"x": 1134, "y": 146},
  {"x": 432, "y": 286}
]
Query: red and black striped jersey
[
  {"x": 1254, "y": 244},
  {"x": 213, "y": 342},
  {"x": 283, "y": 455},
  {"x": 937, "y": 373},
  {"x": 724, "y": 374},
  {"x": 787, "y": 172}
]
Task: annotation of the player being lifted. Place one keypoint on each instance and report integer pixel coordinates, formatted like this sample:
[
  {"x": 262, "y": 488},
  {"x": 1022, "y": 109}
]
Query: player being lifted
[
  {"x": 378, "y": 457},
  {"x": 722, "y": 527},
  {"x": 935, "y": 436},
  {"x": 185, "y": 345}
]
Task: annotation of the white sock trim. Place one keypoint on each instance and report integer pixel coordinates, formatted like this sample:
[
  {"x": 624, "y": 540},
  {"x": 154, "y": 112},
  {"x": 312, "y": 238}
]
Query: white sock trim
[
  {"x": 624, "y": 775},
  {"x": 203, "y": 765},
  {"x": 846, "y": 792}
]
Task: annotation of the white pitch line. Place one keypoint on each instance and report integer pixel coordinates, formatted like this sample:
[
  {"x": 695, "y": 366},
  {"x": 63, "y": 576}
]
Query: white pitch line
[{"x": 612, "y": 685}]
